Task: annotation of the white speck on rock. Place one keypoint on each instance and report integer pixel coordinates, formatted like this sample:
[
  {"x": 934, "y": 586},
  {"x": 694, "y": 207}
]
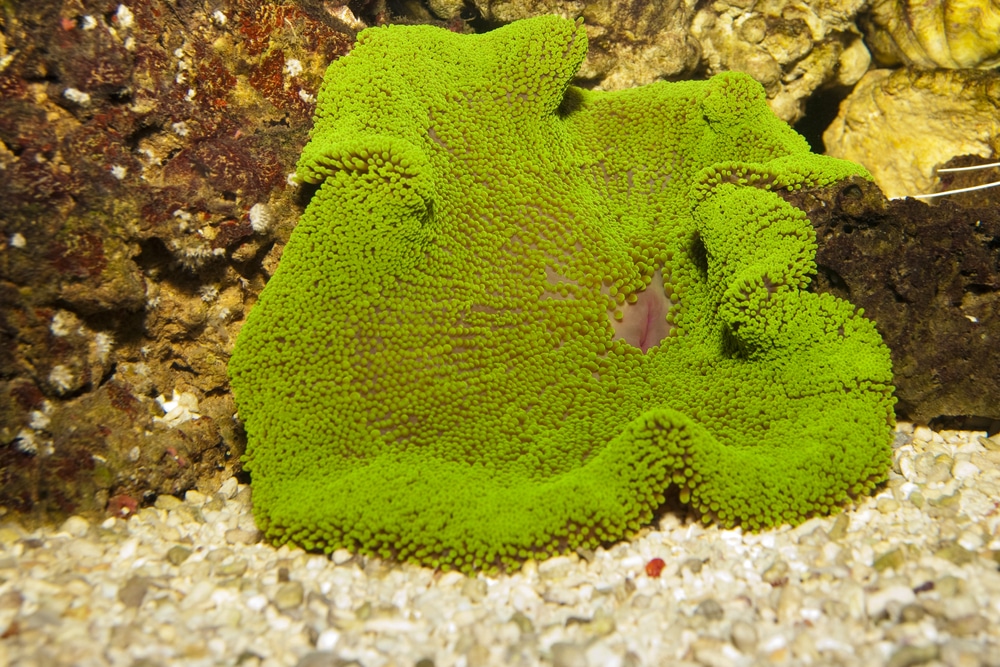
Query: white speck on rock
[
  {"x": 182, "y": 408},
  {"x": 77, "y": 96},
  {"x": 209, "y": 293},
  {"x": 344, "y": 13},
  {"x": 124, "y": 17},
  {"x": 64, "y": 323},
  {"x": 61, "y": 378},
  {"x": 293, "y": 67},
  {"x": 260, "y": 217},
  {"x": 103, "y": 344},
  {"x": 40, "y": 419},
  {"x": 17, "y": 240},
  {"x": 25, "y": 442}
]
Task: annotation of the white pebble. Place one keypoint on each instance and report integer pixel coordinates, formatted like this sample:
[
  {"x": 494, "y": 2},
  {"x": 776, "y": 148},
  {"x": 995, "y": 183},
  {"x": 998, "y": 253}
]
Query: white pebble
[
  {"x": 964, "y": 470},
  {"x": 811, "y": 614},
  {"x": 76, "y": 526},
  {"x": 773, "y": 643},
  {"x": 341, "y": 556},
  {"x": 971, "y": 540},
  {"x": 602, "y": 655},
  {"x": 256, "y": 602},
  {"x": 229, "y": 487},
  {"x": 907, "y": 468},
  {"x": 451, "y": 578},
  {"x": 554, "y": 568},
  {"x": 128, "y": 549},
  {"x": 201, "y": 593},
  {"x": 327, "y": 640},
  {"x": 876, "y": 602},
  {"x": 833, "y": 645}
]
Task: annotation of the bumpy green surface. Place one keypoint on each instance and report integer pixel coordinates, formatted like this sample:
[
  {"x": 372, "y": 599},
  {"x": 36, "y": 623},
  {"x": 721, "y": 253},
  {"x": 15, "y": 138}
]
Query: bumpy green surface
[{"x": 446, "y": 367}]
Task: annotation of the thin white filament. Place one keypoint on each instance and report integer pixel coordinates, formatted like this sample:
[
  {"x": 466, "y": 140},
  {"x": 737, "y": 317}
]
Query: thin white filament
[
  {"x": 972, "y": 168},
  {"x": 955, "y": 192}
]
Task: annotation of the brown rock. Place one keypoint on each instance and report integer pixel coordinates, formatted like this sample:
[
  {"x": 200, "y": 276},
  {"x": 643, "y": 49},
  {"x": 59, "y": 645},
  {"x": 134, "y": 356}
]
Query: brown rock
[
  {"x": 128, "y": 259},
  {"x": 928, "y": 277}
]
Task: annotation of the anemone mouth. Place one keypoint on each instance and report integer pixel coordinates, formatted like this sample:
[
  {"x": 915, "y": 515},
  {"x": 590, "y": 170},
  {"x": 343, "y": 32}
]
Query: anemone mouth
[{"x": 643, "y": 323}]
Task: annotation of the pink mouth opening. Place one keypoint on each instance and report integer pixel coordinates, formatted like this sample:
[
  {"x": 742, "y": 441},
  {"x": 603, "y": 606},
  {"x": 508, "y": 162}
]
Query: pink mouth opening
[{"x": 644, "y": 324}]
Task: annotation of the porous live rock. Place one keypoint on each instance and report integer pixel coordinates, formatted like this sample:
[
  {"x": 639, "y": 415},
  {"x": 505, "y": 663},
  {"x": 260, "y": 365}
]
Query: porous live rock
[
  {"x": 136, "y": 140},
  {"x": 109, "y": 594},
  {"x": 971, "y": 180},
  {"x": 928, "y": 277},
  {"x": 791, "y": 48},
  {"x": 903, "y": 124},
  {"x": 632, "y": 43}
]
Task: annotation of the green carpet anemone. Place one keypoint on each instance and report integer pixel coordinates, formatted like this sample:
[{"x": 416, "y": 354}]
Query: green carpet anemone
[{"x": 516, "y": 314}]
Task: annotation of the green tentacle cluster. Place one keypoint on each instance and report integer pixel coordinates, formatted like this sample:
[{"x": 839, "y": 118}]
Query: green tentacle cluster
[{"x": 516, "y": 313}]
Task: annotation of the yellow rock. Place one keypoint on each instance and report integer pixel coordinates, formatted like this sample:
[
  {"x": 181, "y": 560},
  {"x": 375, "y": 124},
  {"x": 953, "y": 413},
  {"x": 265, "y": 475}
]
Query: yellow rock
[{"x": 903, "y": 124}]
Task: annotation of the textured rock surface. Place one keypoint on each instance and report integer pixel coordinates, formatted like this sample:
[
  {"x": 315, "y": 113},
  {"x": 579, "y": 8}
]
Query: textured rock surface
[
  {"x": 928, "y": 276},
  {"x": 903, "y": 124},
  {"x": 144, "y": 149},
  {"x": 632, "y": 42},
  {"x": 954, "y": 34},
  {"x": 636, "y": 42},
  {"x": 793, "y": 48}
]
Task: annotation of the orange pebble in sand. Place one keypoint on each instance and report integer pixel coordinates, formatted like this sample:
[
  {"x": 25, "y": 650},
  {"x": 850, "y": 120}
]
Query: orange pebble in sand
[{"x": 655, "y": 567}]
